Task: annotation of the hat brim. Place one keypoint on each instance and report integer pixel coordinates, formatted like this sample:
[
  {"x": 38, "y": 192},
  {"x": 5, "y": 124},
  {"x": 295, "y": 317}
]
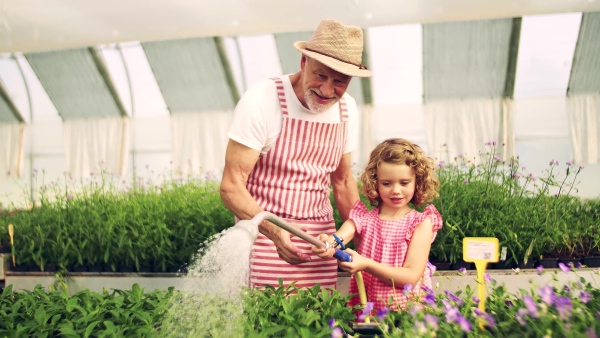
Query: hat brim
[{"x": 335, "y": 64}]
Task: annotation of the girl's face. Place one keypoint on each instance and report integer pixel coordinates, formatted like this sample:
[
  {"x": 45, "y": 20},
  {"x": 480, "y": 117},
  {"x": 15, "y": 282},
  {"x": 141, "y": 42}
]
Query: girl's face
[{"x": 396, "y": 186}]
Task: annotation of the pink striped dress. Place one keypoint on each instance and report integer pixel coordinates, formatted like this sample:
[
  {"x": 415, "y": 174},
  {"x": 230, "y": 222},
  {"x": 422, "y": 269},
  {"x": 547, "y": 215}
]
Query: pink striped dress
[
  {"x": 387, "y": 242},
  {"x": 292, "y": 181}
]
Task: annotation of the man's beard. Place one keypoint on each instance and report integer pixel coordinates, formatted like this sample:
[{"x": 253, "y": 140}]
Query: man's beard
[{"x": 314, "y": 106}]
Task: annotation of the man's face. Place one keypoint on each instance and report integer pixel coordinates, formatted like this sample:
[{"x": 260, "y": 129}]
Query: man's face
[{"x": 323, "y": 86}]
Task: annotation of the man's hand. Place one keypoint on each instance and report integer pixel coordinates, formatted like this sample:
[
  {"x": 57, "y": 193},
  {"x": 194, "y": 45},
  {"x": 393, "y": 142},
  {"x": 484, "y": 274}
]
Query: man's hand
[
  {"x": 286, "y": 249},
  {"x": 320, "y": 251}
]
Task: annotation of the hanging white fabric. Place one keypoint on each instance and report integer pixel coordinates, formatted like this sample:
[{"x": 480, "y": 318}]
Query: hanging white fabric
[
  {"x": 584, "y": 117},
  {"x": 468, "y": 128},
  {"x": 199, "y": 142},
  {"x": 12, "y": 137},
  {"x": 93, "y": 145}
]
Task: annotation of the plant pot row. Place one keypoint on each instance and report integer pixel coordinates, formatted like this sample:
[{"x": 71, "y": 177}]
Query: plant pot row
[
  {"x": 549, "y": 263},
  {"x": 97, "y": 268}
]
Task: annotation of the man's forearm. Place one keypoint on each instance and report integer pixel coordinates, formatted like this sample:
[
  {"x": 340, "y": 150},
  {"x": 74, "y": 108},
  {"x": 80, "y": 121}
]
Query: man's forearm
[{"x": 345, "y": 194}]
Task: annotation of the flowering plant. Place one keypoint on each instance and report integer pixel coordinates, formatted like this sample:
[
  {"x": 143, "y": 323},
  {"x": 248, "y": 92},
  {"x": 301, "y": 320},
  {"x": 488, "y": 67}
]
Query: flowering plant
[
  {"x": 554, "y": 310},
  {"x": 531, "y": 216}
]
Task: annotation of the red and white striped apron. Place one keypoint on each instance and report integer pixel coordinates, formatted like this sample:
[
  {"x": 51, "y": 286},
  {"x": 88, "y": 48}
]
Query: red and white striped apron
[{"x": 292, "y": 181}]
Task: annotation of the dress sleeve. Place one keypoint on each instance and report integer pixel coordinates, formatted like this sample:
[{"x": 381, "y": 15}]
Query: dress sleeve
[
  {"x": 431, "y": 212},
  {"x": 357, "y": 214}
]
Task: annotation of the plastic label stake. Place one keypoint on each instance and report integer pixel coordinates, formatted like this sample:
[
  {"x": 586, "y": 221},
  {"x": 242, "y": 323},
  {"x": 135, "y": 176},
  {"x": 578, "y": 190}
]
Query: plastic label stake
[{"x": 481, "y": 250}]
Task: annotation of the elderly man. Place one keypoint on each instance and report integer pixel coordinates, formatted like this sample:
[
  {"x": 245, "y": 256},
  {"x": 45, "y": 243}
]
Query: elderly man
[{"x": 290, "y": 141}]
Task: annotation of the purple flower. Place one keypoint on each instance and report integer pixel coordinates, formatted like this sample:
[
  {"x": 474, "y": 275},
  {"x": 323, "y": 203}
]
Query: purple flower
[
  {"x": 464, "y": 323},
  {"x": 547, "y": 294},
  {"x": 454, "y": 298},
  {"x": 431, "y": 321},
  {"x": 416, "y": 309},
  {"x": 430, "y": 299},
  {"x": 382, "y": 313},
  {"x": 584, "y": 297},
  {"x": 432, "y": 269},
  {"x": 487, "y": 277},
  {"x": 519, "y": 316},
  {"x": 331, "y": 322},
  {"x": 441, "y": 164},
  {"x": 462, "y": 270},
  {"x": 563, "y": 306},
  {"x": 488, "y": 318},
  {"x": 476, "y": 300},
  {"x": 539, "y": 269},
  {"x": 466, "y": 181},
  {"x": 531, "y": 306},
  {"x": 427, "y": 289},
  {"x": 407, "y": 289},
  {"x": 569, "y": 164},
  {"x": 337, "y": 333},
  {"x": 590, "y": 333},
  {"x": 366, "y": 311},
  {"x": 452, "y": 314},
  {"x": 508, "y": 302},
  {"x": 563, "y": 267}
]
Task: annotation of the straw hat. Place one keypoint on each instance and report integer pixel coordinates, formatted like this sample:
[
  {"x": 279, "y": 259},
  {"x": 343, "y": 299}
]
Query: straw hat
[{"x": 337, "y": 46}]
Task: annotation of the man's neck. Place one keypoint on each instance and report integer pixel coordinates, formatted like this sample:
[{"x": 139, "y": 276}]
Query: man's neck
[{"x": 296, "y": 82}]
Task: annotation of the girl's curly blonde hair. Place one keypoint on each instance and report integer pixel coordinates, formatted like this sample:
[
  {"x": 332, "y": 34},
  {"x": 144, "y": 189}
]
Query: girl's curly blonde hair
[{"x": 401, "y": 151}]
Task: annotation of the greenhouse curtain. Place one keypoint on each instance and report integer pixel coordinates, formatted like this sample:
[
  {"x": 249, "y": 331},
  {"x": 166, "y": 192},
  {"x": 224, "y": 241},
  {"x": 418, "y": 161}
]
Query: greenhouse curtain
[
  {"x": 12, "y": 136},
  {"x": 584, "y": 117},
  {"x": 96, "y": 144},
  {"x": 464, "y": 127},
  {"x": 199, "y": 141}
]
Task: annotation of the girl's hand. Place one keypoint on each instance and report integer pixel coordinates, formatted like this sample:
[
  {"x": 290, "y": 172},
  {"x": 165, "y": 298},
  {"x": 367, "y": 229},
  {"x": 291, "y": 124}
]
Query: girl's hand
[
  {"x": 319, "y": 251},
  {"x": 359, "y": 263}
]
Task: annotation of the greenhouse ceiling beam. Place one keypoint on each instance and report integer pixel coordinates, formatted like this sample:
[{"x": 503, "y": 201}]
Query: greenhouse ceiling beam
[
  {"x": 9, "y": 103},
  {"x": 229, "y": 77},
  {"x": 103, "y": 70},
  {"x": 513, "y": 53}
]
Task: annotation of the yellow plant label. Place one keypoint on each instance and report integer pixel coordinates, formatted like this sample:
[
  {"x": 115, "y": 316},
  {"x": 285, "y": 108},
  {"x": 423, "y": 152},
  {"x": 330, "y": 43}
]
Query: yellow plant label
[{"x": 480, "y": 249}]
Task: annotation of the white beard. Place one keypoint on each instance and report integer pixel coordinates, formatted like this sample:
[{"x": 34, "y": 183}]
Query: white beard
[{"x": 315, "y": 107}]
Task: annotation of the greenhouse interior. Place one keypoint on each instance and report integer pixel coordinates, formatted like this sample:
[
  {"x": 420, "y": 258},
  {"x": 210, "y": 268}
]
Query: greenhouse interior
[{"x": 114, "y": 121}]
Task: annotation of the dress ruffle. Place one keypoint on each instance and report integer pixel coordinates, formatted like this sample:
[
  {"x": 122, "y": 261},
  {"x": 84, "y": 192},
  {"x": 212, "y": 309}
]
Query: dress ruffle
[{"x": 436, "y": 219}]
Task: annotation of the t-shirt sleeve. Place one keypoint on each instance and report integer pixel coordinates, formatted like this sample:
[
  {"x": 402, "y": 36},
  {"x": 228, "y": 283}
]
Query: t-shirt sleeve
[
  {"x": 249, "y": 125},
  {"x": 358, "y": 212},
  {"x": 436, "y": 219}
]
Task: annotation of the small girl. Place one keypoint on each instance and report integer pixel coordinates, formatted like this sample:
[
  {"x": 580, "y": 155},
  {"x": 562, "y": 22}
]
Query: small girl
[{"x": 392, "y": 240}]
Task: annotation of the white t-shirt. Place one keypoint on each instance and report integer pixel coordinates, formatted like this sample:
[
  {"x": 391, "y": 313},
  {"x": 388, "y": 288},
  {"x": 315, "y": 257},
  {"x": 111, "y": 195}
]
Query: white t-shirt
[{"x": 257, "y": 120}]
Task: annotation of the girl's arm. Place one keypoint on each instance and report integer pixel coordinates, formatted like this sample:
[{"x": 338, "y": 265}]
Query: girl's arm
[
  {"x": 414, "y": 265},
  {"x": 345, "y": 232}
]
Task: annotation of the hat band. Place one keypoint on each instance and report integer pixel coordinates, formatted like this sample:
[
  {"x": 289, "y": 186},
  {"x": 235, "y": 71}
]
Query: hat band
[{"x": 333, "y": 57}]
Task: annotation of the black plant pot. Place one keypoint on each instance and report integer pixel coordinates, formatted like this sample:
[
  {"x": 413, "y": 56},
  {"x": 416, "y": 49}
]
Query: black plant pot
[
  {"x": 442, "y": 265},
  {"x": 96, "y": 268},
  {"x": 79, "y": 268},
  {"x": 504, "y": 265},
  {"x": 34, "y": 268},
  {"x": 591, "y": 262},
  {"x": 529, "y": 265},
  {"x": 547, "y": 263},
  {"x": 462, "y": 264},
  {"x": 50, "y": 268},
  {"x": 367, "y": 329},
  {"x": 20, "y": 268},
  {"x": 146, "y": 269},
  {"x": 125, "y": 269}
]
